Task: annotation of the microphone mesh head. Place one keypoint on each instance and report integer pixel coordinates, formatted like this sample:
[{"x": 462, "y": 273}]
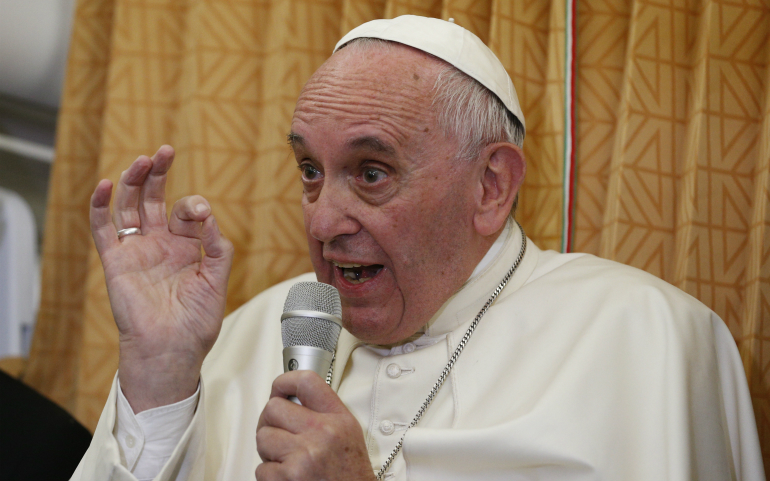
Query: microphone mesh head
[
  {"x": 311, "y": 331},
  {"x": 313, "y": 296}
]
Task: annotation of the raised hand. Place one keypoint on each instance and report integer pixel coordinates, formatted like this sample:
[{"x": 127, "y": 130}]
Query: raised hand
[
  {"x": 167, "y": 298},
  {"x": 320, "y": 439}
]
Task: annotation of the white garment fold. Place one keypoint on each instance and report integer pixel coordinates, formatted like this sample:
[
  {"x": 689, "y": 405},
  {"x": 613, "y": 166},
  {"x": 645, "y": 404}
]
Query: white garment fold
[
  {"x": 582, "y": 369},
  {"x": 147, "y": 439},
  {"x": 145, "y": 456}
]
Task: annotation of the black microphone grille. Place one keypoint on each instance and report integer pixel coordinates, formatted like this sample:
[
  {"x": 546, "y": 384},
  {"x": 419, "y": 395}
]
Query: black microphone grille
[{"x": 309, "y": 330}]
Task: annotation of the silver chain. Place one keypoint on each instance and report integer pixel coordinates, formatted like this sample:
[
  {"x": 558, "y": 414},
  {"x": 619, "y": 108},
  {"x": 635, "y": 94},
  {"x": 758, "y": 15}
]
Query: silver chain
[{"x": 456, "y": 354}]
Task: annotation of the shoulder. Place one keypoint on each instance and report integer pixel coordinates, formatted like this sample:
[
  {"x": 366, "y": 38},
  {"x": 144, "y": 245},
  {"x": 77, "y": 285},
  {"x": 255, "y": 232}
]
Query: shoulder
[
  {"x": 581, "y": 293},
  {"x": 588, "y": 278}
]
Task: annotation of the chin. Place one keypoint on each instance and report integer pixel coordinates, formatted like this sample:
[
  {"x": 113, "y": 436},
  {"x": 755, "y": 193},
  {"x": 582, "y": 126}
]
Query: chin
[
  {"x": 368, "y": 328},
  {"x": 375, "y": 329}
]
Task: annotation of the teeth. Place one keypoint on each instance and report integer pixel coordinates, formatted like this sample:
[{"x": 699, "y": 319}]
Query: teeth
[
  {"x": 357, "y": 273},
  {"x": 358, "y": 281},
  {"x": 346, "y": 266},
  {"x": 353, "y": 277}
]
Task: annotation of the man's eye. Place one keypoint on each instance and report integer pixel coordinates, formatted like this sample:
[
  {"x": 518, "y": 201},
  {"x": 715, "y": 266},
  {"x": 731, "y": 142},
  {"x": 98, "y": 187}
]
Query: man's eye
[
  {"x": 373, "y": 175},
  {"x": 309, "y": 172}
]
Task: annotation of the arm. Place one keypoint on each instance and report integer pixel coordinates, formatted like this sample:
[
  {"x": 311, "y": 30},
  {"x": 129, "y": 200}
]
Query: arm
[
  {"x": 167, "y": 299},
  {"x": 147, "y": 440},
  {"x": 103, "y": 461},
  {"x": 739, "y": 414}
]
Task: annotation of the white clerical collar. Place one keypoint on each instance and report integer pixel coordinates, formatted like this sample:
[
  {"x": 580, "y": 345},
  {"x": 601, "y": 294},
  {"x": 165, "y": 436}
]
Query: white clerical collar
[
  {"x": 460, "y": 309},
  {"x": 419, "y": 339},
  {"x": 493, "y": 251}
]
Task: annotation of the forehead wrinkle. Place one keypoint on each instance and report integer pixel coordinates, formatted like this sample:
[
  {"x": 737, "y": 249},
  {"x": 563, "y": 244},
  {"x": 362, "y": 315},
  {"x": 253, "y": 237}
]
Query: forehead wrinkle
[
  {"x": 380, "y": 91},
  {"x": 368, "y": 99},
  {"x": 391, "y": 128},
  {"x": 366, "y": 109},
  {"x": 397, "y": 122},
  {"x": 385, "y": 94},
  {"x": 389, "y": 85}
]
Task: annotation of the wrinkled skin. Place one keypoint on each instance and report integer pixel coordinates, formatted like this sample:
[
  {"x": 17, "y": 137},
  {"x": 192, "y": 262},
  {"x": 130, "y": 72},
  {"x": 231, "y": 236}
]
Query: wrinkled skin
[
  {"x": 386, "y": 201},
  {"x": 318, "y": 440},
  {"x": 167, "y": 299},
  {"x": 382, "y": 187},
  {"x": 392, "y": 220}
]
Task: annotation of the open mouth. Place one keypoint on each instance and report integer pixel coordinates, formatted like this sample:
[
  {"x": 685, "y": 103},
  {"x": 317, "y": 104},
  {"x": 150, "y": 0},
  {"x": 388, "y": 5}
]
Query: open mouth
[{"x": 357, "y": 273}]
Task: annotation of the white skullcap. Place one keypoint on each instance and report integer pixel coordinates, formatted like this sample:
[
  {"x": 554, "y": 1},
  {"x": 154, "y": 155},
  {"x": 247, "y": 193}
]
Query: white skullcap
[{"x": 449, "y": 42}]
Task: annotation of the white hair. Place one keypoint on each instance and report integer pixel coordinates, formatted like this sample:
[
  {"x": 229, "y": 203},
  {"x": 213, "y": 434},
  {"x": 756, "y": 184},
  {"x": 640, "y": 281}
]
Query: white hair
[
  {"x": 466, "y": 110},
  {"x": 472, "y": 114}
]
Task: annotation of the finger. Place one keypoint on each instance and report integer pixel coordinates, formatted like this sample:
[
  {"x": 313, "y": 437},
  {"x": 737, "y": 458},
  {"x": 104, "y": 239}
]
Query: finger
[
  {"x": 102, "y": 229},
  {"x": 127, "y": 193},
  {"x": 310, "y": 389},
  {"x": 218, "y": 258},
  {"x": 152, "y": 204},
  {"x": 283, "y": 414},
  {"x": 270, "y": 472},
  {"x": 187, "y": 215},
  {"x": 275, "y": 444}
]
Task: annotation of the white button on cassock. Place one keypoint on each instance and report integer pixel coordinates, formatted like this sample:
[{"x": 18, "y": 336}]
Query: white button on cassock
[
  {"x": 387, "y": 427},
  {"x": 130, "y": 441},
  {"x": 393, "y": 371},
  {"x": 409, "y": 348}
]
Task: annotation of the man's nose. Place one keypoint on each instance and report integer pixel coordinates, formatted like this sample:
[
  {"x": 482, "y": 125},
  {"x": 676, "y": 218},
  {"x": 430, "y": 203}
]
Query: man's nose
[{"x": 332, "y": 214}]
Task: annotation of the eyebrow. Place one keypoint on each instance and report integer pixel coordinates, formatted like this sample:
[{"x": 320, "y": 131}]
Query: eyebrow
[
  {"x": 295, "y": 140},
  {"x": 373, "y": 144},
  {"x": 367, "y": 142}
]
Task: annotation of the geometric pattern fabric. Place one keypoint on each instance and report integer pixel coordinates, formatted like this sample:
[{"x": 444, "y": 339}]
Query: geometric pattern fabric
[{"x": 673, "y": 175}]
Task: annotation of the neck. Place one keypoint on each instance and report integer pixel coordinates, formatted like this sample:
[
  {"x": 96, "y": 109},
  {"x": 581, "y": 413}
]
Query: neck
[{"x": 494, "y": 245}]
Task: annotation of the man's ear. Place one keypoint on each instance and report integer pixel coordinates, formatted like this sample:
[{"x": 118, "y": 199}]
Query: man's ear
[{"x": 501, "y": 180}]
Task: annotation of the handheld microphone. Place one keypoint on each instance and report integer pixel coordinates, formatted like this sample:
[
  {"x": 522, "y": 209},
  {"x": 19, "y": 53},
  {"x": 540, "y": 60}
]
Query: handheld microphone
[{"x": 310, "y": 328}]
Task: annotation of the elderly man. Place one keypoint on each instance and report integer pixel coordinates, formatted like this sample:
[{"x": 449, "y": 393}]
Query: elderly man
[{"x": 408, "y": 142}]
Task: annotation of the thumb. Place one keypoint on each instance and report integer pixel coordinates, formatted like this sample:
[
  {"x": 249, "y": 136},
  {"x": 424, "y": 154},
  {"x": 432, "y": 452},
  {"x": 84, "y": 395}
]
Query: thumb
[
  {"x": 310, "y": 389},
  {"x": 218, "y": 255}
]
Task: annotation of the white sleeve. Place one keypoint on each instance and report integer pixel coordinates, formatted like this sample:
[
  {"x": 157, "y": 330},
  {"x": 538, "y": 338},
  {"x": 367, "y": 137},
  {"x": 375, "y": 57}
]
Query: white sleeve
[
  {"x": 148, "y": 439},
  {"x": 739, "y": 412}
]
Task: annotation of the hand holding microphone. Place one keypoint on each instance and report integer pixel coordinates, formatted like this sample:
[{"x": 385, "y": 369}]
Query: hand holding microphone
[{"x": 321, "y": 424}]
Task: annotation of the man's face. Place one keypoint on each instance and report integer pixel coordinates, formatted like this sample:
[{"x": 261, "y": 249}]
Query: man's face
[{"x": 388, "y": 210}]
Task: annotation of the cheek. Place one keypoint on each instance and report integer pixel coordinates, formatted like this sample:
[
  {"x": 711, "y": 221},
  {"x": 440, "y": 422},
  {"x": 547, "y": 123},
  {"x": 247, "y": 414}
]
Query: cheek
[
  {"x": 315, "y": 249},
  {"x": 439, "y": 237}
]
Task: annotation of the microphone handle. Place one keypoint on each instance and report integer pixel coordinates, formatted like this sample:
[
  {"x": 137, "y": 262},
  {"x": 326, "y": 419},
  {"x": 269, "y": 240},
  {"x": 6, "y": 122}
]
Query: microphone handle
[{"x": 307, "y": 358}]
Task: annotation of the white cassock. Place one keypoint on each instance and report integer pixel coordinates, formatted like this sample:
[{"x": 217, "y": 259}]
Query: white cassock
[{"x": 583, "y": 369}]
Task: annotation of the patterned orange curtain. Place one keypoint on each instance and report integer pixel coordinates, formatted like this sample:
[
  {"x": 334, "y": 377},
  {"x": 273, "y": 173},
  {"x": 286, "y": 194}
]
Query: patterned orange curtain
[
  {"x": 674, "y": 157},
  {"x": 673, "y": 140}
]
